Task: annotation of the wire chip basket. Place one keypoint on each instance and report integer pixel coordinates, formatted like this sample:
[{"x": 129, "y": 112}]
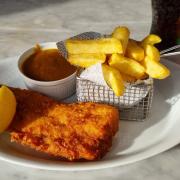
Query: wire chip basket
[{"x": 134, "y": 105}]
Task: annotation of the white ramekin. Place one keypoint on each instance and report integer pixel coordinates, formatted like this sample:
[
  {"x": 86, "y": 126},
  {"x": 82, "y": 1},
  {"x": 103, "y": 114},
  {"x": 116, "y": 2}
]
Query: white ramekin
[{"x": 59, "y": 89}]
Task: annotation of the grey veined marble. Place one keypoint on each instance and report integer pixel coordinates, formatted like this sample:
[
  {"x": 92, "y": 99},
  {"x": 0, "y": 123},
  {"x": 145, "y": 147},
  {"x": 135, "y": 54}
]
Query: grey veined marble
[{"x": 24, "y": 23}]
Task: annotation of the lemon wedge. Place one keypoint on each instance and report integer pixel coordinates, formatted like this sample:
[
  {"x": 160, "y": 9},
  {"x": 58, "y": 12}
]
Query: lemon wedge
[{"x": 7, "y": 107}]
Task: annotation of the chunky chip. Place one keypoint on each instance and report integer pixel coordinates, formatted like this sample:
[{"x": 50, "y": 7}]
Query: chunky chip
[
  {"x": 127, "y": 66},
  {"x": 134, "y": 51},
  {"x": 86, "y": 60},
  {"x": 103, "y": 45},
  {"x": 151, "y": 39},
  {"x": 152, "y": 52},
  {"x": 122, "y": 33},
  {"x": 113, "y": 78},
  {"x": 155, "y": 69}
]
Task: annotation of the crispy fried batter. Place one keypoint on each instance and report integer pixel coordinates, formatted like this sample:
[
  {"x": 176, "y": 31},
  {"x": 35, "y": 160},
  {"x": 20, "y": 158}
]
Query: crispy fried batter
[{"x": 71, "y": 131}]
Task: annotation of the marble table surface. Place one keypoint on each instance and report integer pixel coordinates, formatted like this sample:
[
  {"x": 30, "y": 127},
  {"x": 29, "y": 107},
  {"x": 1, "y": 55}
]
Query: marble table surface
[{"x": 24, "y": 23}]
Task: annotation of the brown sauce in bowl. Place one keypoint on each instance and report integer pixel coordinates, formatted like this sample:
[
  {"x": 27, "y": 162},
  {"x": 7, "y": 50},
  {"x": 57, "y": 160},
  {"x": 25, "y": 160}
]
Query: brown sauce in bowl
[{"x": 47, "y": 65}]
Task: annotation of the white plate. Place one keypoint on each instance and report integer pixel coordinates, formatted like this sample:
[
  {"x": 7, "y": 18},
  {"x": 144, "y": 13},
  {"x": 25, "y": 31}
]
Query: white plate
[{"x": 135, "y": 140}]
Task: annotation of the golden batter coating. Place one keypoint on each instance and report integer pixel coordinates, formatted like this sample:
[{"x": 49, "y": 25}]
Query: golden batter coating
[{"x": 77, "y": 131}]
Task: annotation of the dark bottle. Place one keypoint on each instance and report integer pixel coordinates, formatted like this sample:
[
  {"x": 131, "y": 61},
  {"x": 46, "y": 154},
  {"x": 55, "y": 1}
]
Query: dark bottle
[{"x": 166, "y": 22}]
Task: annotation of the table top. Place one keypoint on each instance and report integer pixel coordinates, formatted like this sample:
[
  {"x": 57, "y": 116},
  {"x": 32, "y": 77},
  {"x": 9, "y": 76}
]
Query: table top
[{"x": 24, "y": 23}]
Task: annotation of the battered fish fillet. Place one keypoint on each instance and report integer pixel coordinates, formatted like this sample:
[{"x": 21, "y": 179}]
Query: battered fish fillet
[{"x": 78, "y": 131}]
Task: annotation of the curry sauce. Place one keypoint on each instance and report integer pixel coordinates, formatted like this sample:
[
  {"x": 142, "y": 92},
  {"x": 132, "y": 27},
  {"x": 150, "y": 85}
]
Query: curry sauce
[{"x": 47, "y": 65}]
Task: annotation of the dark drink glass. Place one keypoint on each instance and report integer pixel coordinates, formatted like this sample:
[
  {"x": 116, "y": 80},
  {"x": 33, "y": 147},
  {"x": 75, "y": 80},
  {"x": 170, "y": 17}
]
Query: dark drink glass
[{"x": 166, "y": 22}]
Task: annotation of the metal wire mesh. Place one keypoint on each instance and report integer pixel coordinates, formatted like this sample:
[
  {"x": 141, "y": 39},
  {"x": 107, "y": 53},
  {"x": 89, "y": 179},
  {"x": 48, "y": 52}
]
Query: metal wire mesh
[{"x": 134, "y": 105}]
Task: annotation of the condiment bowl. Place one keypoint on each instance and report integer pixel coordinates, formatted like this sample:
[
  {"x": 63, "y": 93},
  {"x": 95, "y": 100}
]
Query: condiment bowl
[{"x": 59, "y": 89}]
